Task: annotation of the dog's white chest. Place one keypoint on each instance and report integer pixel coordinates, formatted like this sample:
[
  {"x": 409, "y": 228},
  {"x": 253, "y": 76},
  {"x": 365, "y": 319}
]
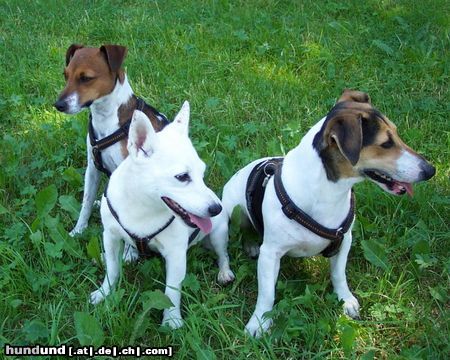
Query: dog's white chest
[
  {"x": 112, "y": 157},
  {"x": 304, "y": 243},
  {"x": 295, "y": 239}
]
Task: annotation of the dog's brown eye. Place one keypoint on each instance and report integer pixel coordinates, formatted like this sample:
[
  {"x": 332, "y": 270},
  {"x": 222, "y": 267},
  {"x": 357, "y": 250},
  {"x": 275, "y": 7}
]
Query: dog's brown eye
[
  {"x": 85, "y": 79},
  {"x": 387, "y": 144},
  {"x": 184, "y": 177}
]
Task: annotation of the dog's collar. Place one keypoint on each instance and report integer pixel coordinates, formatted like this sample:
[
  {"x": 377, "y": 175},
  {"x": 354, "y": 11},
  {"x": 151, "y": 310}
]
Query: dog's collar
[
  {"x": 293, "y": 212},
  {"x": 142, "y": 242}
]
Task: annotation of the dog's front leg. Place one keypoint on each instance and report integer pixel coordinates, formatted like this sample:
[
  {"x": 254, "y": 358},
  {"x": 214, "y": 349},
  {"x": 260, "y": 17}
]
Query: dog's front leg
[
  {"x": 339, "y": 279},
  {"x": 219, "y": 241},
  {"x": 268, "y": 268},
  {"x": 91, "y": 181},
  {"x": 111, "y": 243},
  {"x": 175, "y": 273}
]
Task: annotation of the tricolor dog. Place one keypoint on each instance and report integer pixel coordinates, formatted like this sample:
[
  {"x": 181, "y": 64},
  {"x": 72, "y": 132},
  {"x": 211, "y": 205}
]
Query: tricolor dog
[
  {"x": 95, "y": 80},
  {"x": 156, "y": 200},
  {"x": 307, "y": 208}
]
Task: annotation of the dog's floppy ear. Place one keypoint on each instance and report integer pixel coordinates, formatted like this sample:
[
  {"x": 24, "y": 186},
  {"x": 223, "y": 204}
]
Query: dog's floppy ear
[
  {"x": 142, "y": 139},
  {"x": 71, "y": 50},
  {"x": 181, "y": 121},
  {"x": 115, "y": 54},
  {"x": 354, "y": 95},
  {"x": 345, "y": 130}
]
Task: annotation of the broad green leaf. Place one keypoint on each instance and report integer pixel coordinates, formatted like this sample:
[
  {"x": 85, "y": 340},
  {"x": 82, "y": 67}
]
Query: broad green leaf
[
  {"x": 93, "y": 250},
  {"x": 347, "y": 338},
  {"x": 375, "y": 254},
  {"x": 35, "y": 329},
  {"x": 155, "y": 300},
  {"x": 60, "y": 235},
  {"x": 438, "y": 293},
  {"x": 141, "y": 323},
  {"x": 190, "y": 282},
  {"x": 88, "y": 329},
  {"x": 52, "y": 224},
  {"x": 421, "y": 247},
  {"x": 45, "y": 200},
  {"x": 71, "y": 205},
  {"x": 36, "y": 237},
  {"x": 53, "y": 250},
  {"x": 150, "y": 300},
  {"x": 36, "y": 224},
  {"x": 72, "y": 177}
]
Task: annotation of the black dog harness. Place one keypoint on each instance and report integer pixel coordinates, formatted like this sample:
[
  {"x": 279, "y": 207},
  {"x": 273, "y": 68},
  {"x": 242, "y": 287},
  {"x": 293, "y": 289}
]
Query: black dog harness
[
  {"x": 116, "y": 136},
  {"x": 256, "y": 186},
  {"x": 142, "y": 242}
]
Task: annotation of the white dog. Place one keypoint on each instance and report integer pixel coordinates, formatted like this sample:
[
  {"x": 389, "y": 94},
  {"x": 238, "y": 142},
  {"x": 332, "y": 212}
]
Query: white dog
[
  {"x": 307, "y": 207},
  {"x": 157, "y": 200}
]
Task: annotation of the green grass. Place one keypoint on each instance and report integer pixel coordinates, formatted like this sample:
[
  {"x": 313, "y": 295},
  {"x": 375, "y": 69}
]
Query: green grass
[{"x": 258, "y": 74}]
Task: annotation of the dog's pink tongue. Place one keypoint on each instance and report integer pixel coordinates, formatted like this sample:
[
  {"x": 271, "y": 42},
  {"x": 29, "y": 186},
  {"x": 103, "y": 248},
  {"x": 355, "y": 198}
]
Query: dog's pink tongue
[
  {"x": 204, "y": 224},
  {"x": 408, "y": 187}
]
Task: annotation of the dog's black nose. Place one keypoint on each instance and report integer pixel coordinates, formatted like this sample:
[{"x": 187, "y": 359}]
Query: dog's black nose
[
  {"x": 60, "y": 105},
  {"x": 215, "y": 209},
  {"x": 427, "y": 172}
]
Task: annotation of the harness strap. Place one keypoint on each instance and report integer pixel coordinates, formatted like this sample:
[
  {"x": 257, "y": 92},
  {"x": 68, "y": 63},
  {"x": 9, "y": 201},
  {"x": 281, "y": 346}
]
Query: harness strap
[
  {"x": 193, "y": 235},
  {"x": 141, "y": 243},
  {"x": 118, "y": 135},
  {"x": 293, "y": 212},
  {"x": 256, "y": 188}
]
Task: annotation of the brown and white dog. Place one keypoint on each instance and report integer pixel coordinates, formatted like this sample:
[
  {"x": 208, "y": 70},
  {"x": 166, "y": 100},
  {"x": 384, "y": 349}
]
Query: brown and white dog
[
  {"x": 96, "y": 80},
  {"x": 352, "y": 143}
]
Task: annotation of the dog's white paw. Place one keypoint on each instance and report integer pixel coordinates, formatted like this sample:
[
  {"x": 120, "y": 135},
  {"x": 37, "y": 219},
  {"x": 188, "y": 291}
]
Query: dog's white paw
[
  {"x": 252, "y": 250},
  {"x": 351, "y": 307},
  {"x": 96, "y": 297},
  {"x": 172, "y": 319},
  {"x": 257, "y": 327},
  {"x": 130, "y": 254},
  {"x": 77, "y": 230},
  {"x": 225, "y": 277}
]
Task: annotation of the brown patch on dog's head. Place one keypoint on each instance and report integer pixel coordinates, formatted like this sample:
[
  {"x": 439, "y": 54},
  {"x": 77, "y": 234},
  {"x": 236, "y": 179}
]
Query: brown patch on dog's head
[
  {"x": 71, "y": 50},
  {"x": 356, "y": 140},
  {"x": 355, "y": 96},
  {"x": 91, "y": 73},
  {"x": 115, "y": 54},
  {"x": 352, "y": 132}
]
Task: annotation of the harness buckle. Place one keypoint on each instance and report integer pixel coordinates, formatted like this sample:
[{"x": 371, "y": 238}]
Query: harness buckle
[
  {"x": 340, "y": 233},
  {"x": 96, "y": 154}
]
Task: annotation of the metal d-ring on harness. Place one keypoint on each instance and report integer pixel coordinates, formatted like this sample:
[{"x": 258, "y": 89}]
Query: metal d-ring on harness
[
  {"x": 142, "y": 242},
  {"x": 256, "y": 183},
  {"x": 116, "y": 136}
]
